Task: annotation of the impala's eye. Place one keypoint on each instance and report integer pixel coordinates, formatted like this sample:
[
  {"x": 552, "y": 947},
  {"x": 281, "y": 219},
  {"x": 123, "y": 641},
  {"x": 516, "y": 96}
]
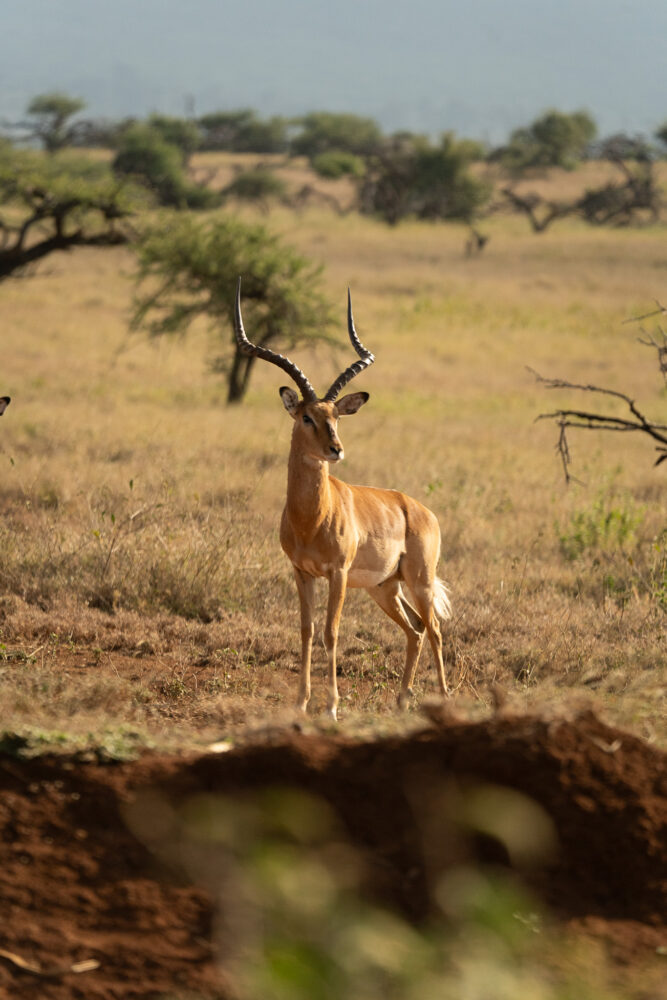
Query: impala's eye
[{"x": 307, "y": 420}]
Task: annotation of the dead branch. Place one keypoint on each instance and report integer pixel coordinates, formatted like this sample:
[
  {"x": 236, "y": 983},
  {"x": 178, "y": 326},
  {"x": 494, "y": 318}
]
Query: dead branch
[
  {"x": 541, "y": 213},
  {"x": 587, "y": 420},
  {"x": 637, "y": 196},
  {"x": 46, "y": 230}
]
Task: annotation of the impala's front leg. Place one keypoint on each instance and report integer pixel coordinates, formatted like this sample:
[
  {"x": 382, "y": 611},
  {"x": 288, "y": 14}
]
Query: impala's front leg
[
  {"x": 306, "y": 587},
  {"x": 337, "y": 588}
]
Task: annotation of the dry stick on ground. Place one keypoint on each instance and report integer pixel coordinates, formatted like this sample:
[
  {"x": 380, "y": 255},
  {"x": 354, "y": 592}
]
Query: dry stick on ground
[{"x": 597, "y": 421}]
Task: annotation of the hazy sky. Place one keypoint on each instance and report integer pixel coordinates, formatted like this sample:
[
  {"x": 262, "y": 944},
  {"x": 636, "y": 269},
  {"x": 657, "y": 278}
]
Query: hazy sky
[{"x": 481, "y": 67}]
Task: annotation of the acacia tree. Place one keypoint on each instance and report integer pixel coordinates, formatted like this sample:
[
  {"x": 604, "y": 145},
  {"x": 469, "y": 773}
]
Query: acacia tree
[
  {"x": 189, "y": 269},
  {"x": 325, "y": 131},
  {"x": 180, "y": 132},
  {"x": 243, "y": 132},
  {"x": 636, "y": 198},
  {"x": 49, "y": 120},
  {"x": 57, "y": 203},
  {"x": 409, "y": 175},
  {"x": 145, "y": 155},
  {"x": 555, "y": 139}
]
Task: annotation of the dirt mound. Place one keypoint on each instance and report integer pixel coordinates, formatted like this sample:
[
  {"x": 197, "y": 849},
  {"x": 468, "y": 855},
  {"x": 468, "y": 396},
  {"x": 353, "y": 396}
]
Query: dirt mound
[{"x": 77, "y": 883}]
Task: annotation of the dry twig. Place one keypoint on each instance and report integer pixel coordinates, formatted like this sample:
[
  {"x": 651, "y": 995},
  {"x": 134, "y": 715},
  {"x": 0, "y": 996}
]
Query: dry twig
[{"x": 587, "y": 420}]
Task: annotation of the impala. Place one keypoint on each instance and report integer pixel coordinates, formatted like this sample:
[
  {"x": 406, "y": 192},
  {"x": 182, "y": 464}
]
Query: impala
[
  {"x": 354, "y": 536},
  {"x": 4, "y": 403}
]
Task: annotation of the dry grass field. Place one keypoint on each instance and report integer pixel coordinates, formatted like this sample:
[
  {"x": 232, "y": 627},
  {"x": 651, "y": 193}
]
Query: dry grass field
[
  {"x": 144, "y": 598},
  {"x": 140, "y": 514}
]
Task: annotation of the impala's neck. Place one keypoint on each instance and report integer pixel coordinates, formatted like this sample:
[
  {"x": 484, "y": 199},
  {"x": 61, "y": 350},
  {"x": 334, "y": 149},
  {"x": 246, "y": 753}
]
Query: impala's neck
[{"x": 308, "y": 490}]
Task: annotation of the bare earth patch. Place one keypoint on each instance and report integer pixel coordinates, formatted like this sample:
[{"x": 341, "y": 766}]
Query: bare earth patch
[{"x": 84, "y": 876}]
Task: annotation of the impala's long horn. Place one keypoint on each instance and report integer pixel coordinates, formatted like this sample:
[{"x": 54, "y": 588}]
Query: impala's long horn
[
  {"x": 266, "y": 354},
  {"x": 366, "y": 357}
]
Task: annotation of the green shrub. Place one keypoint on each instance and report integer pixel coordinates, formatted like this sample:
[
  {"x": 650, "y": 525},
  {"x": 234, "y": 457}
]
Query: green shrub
[
  {"x": 411, "y": 176},
  {"x": 338, "y": 163},
  {"x": 323, "y": 131},
  {"x": 144, "y": 153},
  {"x": 258, "y": 184},
  {"x": 605, "y": 524}
]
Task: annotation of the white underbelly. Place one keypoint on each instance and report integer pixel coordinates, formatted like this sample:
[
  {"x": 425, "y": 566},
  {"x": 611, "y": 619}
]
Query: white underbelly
[{"x": 367, "y": 577}]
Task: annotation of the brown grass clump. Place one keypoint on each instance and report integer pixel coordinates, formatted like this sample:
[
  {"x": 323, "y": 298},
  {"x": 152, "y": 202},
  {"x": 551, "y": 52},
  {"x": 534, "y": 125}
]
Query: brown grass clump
[{"x": 141, "y": 578}]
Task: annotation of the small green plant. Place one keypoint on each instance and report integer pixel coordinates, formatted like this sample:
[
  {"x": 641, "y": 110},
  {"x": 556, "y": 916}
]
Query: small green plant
[
  {"x": 174, "y": 689},
  {"x": 608, "y": 523},
  {"x": 14, "y": 655}
]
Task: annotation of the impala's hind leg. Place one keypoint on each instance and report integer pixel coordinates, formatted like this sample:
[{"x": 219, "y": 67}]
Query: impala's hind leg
[
  {"x": 388, "y": 595},
  {"x": 424, "y": 595},
  {"x": 418, "y": 568}
]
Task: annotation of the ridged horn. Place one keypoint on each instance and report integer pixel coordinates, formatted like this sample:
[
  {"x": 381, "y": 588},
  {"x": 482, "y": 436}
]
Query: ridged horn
[
  {"x": 366, "y": 357},
  {"x": 253, "y": 350}
]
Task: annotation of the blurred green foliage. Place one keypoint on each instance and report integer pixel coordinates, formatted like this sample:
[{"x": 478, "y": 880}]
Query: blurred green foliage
[{"x": 145, "y": 154}]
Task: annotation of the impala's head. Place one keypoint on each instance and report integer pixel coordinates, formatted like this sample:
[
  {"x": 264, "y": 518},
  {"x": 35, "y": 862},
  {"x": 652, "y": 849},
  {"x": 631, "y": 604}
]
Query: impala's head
[
  {"x": 316, "y": 420},
  {"x": 4, "y": 403}
]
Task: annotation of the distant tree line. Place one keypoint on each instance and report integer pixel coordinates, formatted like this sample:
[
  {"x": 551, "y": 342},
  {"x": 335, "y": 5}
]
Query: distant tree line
[
  {"x": 554, "y": 139},
  {"x": 56, "y": 198},
  {"x": 395, "y": 175}
]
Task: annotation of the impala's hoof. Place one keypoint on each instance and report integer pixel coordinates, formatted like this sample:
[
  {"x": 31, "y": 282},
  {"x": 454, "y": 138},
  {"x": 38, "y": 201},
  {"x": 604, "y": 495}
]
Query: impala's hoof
[{"x": 404, "y": 699}]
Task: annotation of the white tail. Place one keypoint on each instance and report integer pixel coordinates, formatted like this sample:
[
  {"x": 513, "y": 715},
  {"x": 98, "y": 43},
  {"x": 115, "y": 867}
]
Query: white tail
[{"x": 442, "y": 605}]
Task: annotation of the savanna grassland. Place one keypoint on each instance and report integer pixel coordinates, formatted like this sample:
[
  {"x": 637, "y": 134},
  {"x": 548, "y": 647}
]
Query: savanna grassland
[
  {"x": 142, "y": 582},
  {"x": 147, "y": 612}
]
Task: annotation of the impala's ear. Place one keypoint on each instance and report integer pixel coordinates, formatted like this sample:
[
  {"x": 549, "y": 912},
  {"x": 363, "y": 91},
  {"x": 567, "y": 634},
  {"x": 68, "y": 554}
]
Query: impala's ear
[
  {"x": 4, "y": 403},
  {"x": 290, "y": 399},
  {"x": 351, "y": 403}
]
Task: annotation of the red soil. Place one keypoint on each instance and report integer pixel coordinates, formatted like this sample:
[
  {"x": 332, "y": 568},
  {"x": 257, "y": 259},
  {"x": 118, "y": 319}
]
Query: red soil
[{"x": 76, "y": 883}]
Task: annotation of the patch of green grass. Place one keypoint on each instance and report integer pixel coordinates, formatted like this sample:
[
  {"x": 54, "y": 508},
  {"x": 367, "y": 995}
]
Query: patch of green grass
[
  {"x": 607, "y": 523},
  {"x": 120, "y": 743}
]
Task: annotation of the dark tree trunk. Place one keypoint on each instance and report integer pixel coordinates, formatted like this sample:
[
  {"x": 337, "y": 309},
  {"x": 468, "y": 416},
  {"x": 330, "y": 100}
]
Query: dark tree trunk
[{"x": 239, "y": 377}]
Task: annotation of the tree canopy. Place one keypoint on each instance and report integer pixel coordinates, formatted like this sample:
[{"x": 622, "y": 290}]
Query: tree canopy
[
  {"x": 147, "y": 156},
  {"x": 555, "y": 139},
  {"x": 409, "y": 175},
  {"x": 179, "y": 132},
  {"x": 324, "y": 131},
  {"x": 243, "y": 132},
  {"x": 56, "y": 203},
  {"x": 50, "y": 119},
  {"x": 189, "y": 269}
]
